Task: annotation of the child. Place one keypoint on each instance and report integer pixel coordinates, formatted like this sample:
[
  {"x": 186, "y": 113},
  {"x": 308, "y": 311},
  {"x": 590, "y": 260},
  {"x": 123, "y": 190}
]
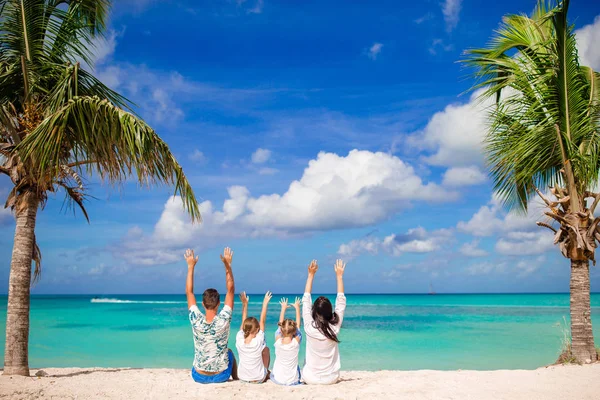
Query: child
[
  {"x": 251, "y": 346},
  {"x": 287, "y": 345}
]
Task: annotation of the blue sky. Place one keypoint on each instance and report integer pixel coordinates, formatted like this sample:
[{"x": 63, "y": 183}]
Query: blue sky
[{"x": 308, "y": 130}]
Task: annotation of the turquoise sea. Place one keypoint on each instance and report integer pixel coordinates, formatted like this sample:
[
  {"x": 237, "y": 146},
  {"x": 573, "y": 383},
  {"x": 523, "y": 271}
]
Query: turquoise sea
[{"x": 443, "y": 331}]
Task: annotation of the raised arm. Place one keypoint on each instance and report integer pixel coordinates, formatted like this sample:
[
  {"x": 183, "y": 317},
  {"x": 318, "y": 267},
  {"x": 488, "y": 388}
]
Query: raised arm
[
  {"x": 312, "y": 270},
  {"x": 339, "y": 268},
  {"x": 227, "y": 257},
  {"x": 191, "y": 261},
  {"x": 284, "y": 306},
  {"x": 244, "y": 299},
  {"x": 296, "y": 305},
  {"x": 263, "y": 313},
  {"x": 340, "y": 300}
]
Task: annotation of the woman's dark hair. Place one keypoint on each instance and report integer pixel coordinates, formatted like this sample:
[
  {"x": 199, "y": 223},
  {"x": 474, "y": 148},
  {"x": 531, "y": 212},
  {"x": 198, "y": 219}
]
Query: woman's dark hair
[{"x": 324, "y": 317}]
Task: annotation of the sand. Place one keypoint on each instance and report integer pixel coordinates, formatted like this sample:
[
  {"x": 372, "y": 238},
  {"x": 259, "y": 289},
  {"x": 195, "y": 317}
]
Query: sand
[{"x": 557, "y": 382}]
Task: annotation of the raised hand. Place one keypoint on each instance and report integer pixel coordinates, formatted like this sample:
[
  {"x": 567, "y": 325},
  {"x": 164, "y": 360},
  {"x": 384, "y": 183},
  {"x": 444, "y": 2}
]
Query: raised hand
[
  {"x": 313, "y": 267},
  {"x": 284, "y": 303},
  {"x": 267, "y": 299},
  {"x": 296, "y": 304},
  {"x": 339, "y": 267},
  {"x": 227, "y": 257},
  {"x": 244, "y": 299},
  {"x": 189, "y": 258}
]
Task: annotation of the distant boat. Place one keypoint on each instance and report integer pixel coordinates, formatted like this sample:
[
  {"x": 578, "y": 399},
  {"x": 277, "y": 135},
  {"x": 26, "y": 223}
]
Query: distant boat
[{"x": 431, "y": 288}]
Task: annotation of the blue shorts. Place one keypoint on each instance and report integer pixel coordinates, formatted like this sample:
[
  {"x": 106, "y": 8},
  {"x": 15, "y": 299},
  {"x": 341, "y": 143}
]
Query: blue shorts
[
  {"x": 274, "y": 379},
  {"x": 218, "y": 378}
]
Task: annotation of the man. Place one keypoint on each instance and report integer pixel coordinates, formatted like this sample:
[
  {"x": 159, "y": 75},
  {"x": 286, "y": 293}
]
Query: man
[{"x": 213, "y": 361}]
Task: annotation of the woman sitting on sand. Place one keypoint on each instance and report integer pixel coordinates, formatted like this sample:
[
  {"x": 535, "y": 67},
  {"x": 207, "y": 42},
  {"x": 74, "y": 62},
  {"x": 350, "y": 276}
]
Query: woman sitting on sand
[{"x": 321, "y": 326}]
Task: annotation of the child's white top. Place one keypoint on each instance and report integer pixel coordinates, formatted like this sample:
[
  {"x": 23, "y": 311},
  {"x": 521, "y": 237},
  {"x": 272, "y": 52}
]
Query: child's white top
[
  {"x": 250, "y": 366},
  {"x": 322, "y": 354},
  {"x": 285, "y": 369}
]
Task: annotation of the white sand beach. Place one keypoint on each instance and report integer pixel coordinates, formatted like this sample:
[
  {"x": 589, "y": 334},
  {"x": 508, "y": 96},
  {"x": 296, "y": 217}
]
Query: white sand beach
[{"x": 556, "y": 382}]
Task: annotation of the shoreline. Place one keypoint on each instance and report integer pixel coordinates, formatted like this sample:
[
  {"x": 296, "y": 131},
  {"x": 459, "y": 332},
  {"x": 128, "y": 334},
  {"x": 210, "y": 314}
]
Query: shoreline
[{"x": 553, "y": 382}]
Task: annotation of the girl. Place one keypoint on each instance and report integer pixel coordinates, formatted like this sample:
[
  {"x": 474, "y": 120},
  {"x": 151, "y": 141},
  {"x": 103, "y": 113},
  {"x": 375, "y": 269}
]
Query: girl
[
  {"x": 251, "y": 346},
  {"x": 287, "y": 345},
  {"x": 322, "y": 325}
]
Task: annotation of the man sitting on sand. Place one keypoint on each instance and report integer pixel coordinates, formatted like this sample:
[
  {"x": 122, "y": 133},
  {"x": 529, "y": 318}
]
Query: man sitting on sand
[{"x": 213, "y": 361}]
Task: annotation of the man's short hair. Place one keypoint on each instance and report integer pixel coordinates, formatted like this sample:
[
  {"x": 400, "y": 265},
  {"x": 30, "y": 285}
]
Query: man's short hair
[{"x": 211, "y": 299}]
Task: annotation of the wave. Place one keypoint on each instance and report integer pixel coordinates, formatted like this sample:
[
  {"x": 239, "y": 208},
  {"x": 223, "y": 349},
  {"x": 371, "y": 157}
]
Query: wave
[{"x": 119, "y": 301}]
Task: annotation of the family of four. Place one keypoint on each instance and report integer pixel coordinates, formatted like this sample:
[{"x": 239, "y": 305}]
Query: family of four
[{"x": 214, "y": 362}]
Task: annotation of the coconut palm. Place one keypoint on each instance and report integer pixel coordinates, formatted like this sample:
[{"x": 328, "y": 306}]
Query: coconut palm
[
  {"x": 59, "y": 124},
  {"x": 544, "y": 139}
]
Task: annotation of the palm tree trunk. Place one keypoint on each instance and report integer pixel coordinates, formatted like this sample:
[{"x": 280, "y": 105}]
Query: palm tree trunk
[
  {"x": 582, "y": 337},
  {"x": 17, "y": 313}
]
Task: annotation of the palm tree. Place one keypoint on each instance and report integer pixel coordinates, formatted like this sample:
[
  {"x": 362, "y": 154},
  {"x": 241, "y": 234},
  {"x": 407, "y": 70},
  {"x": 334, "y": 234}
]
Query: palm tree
[
  {"x": 545, "y": 133},
  {"x": 57, "y": 124}
]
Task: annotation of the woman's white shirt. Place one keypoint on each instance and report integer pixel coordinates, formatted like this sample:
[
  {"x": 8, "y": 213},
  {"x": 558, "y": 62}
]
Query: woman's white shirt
[
  {"x": 322, "y": 354},
  {"x": 250, "y": 366}
]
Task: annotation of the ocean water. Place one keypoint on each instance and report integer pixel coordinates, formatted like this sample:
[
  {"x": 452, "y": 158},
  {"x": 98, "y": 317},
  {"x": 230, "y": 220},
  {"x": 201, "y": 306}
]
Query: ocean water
[{"x": 405, "y": 332}]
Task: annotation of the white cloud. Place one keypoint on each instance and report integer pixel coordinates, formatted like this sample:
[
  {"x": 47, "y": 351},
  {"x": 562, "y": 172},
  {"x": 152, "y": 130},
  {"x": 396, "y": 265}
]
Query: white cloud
[
  {"x": 374, "y": 50},
  {"x": 519, "y": 234},
  {"x": 416, "y": 240},
  {"x": 198, "y": 157},
  {"x": 357, "y": 247},
  {"x": 258, "y": 7},
  {"x": 455, "y": 135},
  {"x": 525, "y": 243},
  {"x": 451, "y": 11},
  {"x": 588, "y": 38},
  {"x": 165, "y": 108},
  {"x": 463, "y": 176},
  {"x": 471, "y": 249},
  {"x": 522, "y": 268},
  {"x": 424, "y": 18},
  {"x": 485, "y": 268},
  {"x": 261, "y": 156},
  {"x": 334, "y": 192},
  {"x": 268, "y": 171},
  {"x": 438, "y": 44},
  {"x": 492, "y": 219},
  {"x": 102, "y": 48},
  {"x": 6, "y": 215}
]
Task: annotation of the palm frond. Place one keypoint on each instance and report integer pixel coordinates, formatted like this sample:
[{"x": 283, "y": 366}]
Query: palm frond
[
  {"x": 546, "y": 114},
  {"x": 90, "y": 128}
]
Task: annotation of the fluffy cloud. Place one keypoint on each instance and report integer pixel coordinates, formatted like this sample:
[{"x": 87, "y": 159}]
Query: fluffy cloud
[
  {"x": 374, "y": 50},
  {"x": 454, "y": 137},
  {"x": 522, "y": 268},
  {"x": 463, "y": 176},
  {"x": 471, "y": 249},
  {"x": 588, "y": 38},
  {"x": 334, "y": 192},
  {"x": 198, "y": 157},
  {"x": 417, "y": 240},
  {"x": 261, "y": 156},
  {"x": 519, "y": 234},
  {"x": 451, "y": 11},
  {"x": 525, "y": 243}
]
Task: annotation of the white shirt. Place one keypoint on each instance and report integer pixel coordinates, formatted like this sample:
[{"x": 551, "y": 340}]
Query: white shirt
[
  {"x": 251, "y": 367},
  {"x": 285, "y": 369},
  {"x": 322, "y": 354}
]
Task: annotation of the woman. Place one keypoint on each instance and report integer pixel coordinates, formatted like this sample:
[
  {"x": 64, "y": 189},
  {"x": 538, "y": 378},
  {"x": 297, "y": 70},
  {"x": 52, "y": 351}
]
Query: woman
[{"x": 322, "y": 325}]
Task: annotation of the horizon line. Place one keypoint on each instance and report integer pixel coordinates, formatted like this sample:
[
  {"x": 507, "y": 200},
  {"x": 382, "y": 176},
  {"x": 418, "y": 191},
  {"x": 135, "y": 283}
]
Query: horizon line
[{"x": 281, "y": 293}]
